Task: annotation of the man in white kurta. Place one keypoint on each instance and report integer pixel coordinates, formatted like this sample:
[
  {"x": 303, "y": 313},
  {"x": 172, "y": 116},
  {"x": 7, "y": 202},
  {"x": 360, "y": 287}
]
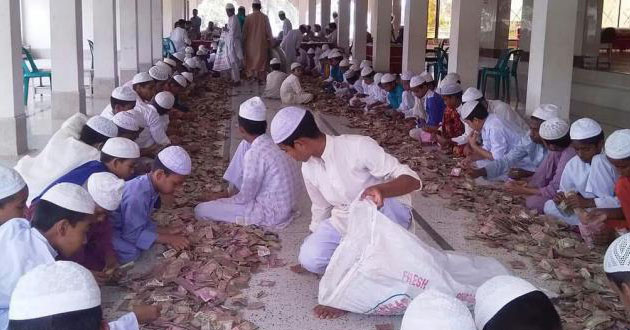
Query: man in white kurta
[
  {"x": 291, "y": 42},
  {"x": 348, "y": 168},
  {"x": 291, "y": 91},
  {"x": 593, "y": 179},
  {"x": 286, "y": 25},
  {"x": 274, "y": 80},
  {"x": 154, "y": 123},
  {"x": 265, "y": 177},
  {"x": 179, "y": 36},
  {"x": 234, "y": 43}
]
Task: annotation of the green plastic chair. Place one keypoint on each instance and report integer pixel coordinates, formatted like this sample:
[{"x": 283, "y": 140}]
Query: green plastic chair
[
  {"x": 499, "y": 71},
  {"x": 440, "y": 66},
  {"x": 30, "y": 70},
  {"x": 515, "y": 56},
  {"x": 168, "y": 47},
  {"x": 91, "y": 44}
]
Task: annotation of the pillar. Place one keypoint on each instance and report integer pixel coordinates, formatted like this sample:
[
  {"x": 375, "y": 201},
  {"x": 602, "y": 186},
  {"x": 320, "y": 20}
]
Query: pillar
[
  {"x": 526, "y": 28},
  {"x": 551, "y": 55},
  {"x": 312, "y": 12},
  {"x": 381, "y": 33},
  {"x": 360, "y": 29},
  {"x": 396, "y": 11},
  {"x": 129, "y": 59},
  {"x": 303, "y": 12},
  {"x": 495, "y": 24},
  {"x": 66, "y": 58},
  {"x": 12, "y": 117},
  {"x": 343, "y": 28},
  {"x": 415, "y": 37},
  {"x": 106, "y": 68},
  {"x": 156, "y": 29},
  {"x": 145, "y": 56},
  {"x": 325, "y": 13},
  {"x": 464, "y": 40}
]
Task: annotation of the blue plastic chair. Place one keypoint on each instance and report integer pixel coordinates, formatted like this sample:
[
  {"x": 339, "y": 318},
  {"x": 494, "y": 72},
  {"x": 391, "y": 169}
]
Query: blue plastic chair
[
  {"x": 168, "y": 47},
  {"x": 499, "y": 71},
  {"x": 30, "y": 70}
]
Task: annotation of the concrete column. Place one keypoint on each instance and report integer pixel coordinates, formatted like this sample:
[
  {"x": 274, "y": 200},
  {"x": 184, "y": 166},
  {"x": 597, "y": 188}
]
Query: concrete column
[
  {"x": 325, "y": 12},
  {"x": 156, "y": 29},
  {"x": 360, "y": 29},
  {"x": 12, "y": 117},
  {"x": 343, "y": 30},
  {"x": 526, "y": 28},
  {"x": 381, "y": 33},
  {"x": 464, "y": 40},
  {"x": 66, "y": 58},
  {"x": 495, "y": 24},
  {"x": 303, "y": 11},
  {"x": 551, "y": 56},
  {"x": 312, "y": 12},
  {"x": 414, "y": 40},
  {"x": 129, "y": 59},
  {"x": 145, "y": 58},
  {"x": 106, "y": 67},
  {"x": 396, "y": 11}
]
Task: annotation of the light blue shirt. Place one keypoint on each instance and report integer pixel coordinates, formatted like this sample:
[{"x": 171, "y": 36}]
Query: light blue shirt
[
  {"x": 526, "y": 155},
  {"x": 22, "y": 248},
  {"x": 133, "y": 228}
]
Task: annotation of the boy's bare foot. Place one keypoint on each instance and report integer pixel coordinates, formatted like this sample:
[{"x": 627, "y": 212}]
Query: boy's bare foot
[
  {"x": 328, "y": 313},
  {"x": 298, "y": 269}
]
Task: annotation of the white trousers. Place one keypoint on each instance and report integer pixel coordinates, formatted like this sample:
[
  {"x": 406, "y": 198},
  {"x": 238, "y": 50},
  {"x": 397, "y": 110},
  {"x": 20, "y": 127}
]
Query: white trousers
[
  {"x": 552, "y": 210},
  {"x": 318, "y": 247},
  {"x": 221, "y": 210},
  {"x": 235, "y": 72}
]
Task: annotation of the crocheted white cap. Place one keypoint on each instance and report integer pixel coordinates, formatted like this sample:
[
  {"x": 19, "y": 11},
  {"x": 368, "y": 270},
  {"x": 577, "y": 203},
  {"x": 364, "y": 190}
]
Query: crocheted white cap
[
  {"x": 120, "y": 147},
  {"x": 471, "y": 94},
  {"x": 103, "y": 125},
  {"x": 165, "y": 100},
  {"x": 176, "y": 159},
  {"x": 618, "y": 144},
  {"x": 497, "y": 292},
  {"x": 70, "y": 196},
  {"x": 12, "y": 182},
  {"x": 124, "y": 93},
  {"x": 546, "y": 111},
  {"x": 553, "y": 129},
  {"x": 126, "y": 120},
  {"x": 387, "y": 78},
  {"x": 106, "y": 189},
  {"x": 285, "y": 122},
  {"x": 617, "y": 257},
  {"x": 585, "y": 128},
  {"x": 295, "y": 65},
  {"x": 141, "y": 77},
  {"x": 158, "y": 73},
  {"x": 253, "y": 109},
  {"x": 181, "y": 80},
  {"x": 435, "y": 310}
]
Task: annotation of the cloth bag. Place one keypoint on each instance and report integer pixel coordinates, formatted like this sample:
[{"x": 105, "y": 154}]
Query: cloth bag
[
  {"x": 379, "y": 267},
  {"x": 221, "y": 62}
]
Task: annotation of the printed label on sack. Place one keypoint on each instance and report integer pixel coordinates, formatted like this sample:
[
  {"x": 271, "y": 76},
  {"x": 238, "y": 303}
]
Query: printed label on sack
[
  {"x": 394, "y": 305},
  {"x": 414, "y": 279}
]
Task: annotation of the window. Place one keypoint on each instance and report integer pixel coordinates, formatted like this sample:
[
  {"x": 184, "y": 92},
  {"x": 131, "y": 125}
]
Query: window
[
  {"x": 616, "y": 14},
  {"x": 439, "y": 19},
  {"x": 516, "y": 14}
]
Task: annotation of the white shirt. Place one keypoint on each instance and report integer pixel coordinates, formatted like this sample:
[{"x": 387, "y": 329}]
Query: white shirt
[
  {"x": 274, "y": 81},
  {"x": 63, "y": 152},
  {"x": 179, "y": 37},
  {"x": 22, "y": 248},
  {"x": 154, "y": 131},
  {"x": 332, "y": 37},
  {"x": 234, "y": 41},
  {"x": 408, "y": 102},
  {"x": 358, "y": 86},
  {"x": 291, "y": 90},
  {"x": 349, "y": 165},
  {"x": 290, "y": 43},
  {"x": 595, "y": 180},
  {"x": 503, "y": 111},
  {"x": 499, "y": 137},
  {"x": 108, "y": 112},
  {"x": 286, "y": 27}
]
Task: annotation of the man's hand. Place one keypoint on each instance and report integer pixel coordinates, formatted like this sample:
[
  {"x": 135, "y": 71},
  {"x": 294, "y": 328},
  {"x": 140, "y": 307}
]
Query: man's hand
[
  {"x": 100, "y": 277},
  {"x": 576, "y": 201},
  {"x": 472, "y": 138},
  {"x": 178, "y": 242},
  {"x": 374, "y": 194},
  {"x": 516, "y": 187},
  {"x": 147, "y": 313}
]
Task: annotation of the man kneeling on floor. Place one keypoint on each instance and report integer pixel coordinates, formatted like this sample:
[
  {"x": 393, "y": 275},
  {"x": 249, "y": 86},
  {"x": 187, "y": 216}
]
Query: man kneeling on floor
[
  {"x": 265, "y": 177},
  {"x": 337, "y": 170}
]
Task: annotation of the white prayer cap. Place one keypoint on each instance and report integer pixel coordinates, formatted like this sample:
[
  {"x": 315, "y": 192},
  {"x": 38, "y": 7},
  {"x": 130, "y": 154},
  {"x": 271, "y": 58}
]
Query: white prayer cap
[
  {"x": 311, "y": 51},
  {"x": 176, "y": 159},
  {"x": 585, "y": 128},
  {"x": 70, "y": 196},
  {"x": 202, "y": 52},
  {"x": 170, "y": 62},
  {"x": 179, "y": 56},
  {"x": 435, "y": 310},
  {"x": 324, "y": 55},
  {"x": 202, "y": 46},
  {"x": 274, "y": 61},
  {"x": 546, "y": 111},
  {"x": 618, "y": 144},
  {"x": 181, "y": 80},
  {"x": 344, "y": 63},
  {"x": 325, "y": 47},
  {"x": 553, "y": 129},
  {"x": 416, "y": 81},
  {"x": 285, "y": 122},
  {"x": 191, "y": 63},
  {"x": 103, "y": 126},
  {"x": 497, "y": 292},
  {"x": 427, "y": 77},
  {"x": 295, "y": 65},
  {"x": 166, "y": 68},
  {"x": 617, "y": 257},
  {"x": 471, "y": 94},
  {"x": 106, "y": 189},
  {"x": 348, "y": 74},
  {"x": 449, "y": 88},
  {"x": 281, "y": 13},
  {"x": 355, "y": 67},
  {"x": 365, "y": 63},
  {"x": 158, "y": 73},
  {"x": 12, "y": 182},
  {"x": 188, "y": 76},
  {"x": 407, "y": 75},
  {"x": 120, "y": 147},
  {"x": 189, "y": 50},
  {"x": 378, "y": 77},
  {"x": 366, "y": 71},
  {"x": 141, "y": 77},
  {"x": 387, "y": 78},
  {"x": 452, "y": 76},
  {"x": 253, "y": 109},
  {"x": 334, "y": 53},
  {"x": 124, "y": 93},
  {"x": 256, "y": 2},
  {"x": 54, "y": 288},
  {"x": 126, "y": 120},
  {"x": 467, "y": 108},
  {"x": 165, "y": 100},
  {"x": 229, "y": 6}
]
